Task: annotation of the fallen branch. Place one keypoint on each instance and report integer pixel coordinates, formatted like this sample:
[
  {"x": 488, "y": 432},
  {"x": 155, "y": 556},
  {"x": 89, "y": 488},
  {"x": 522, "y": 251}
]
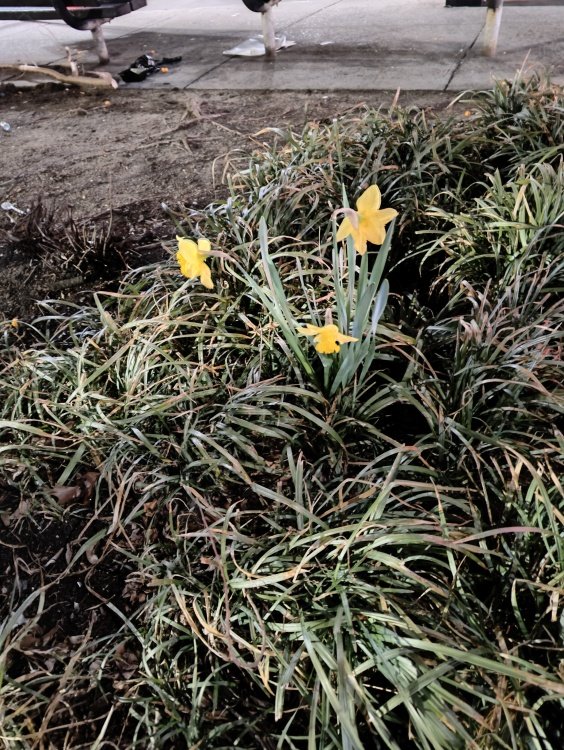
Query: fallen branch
[{"x": 98, "y": 79}]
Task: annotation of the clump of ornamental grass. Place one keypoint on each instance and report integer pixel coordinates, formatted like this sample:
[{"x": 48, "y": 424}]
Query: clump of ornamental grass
[
  {"x": 514, "y": 227},
  {"x": 523, "y": 121},
  {"x": 336, "y": 505},
  {"x": 430, "y": 169}
]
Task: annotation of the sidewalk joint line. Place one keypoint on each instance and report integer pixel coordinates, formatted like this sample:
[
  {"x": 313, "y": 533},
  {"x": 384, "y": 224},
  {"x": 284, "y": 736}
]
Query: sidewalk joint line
[
  {"x": 206, "y": 72},
  {"x": 312, "y": 14}
]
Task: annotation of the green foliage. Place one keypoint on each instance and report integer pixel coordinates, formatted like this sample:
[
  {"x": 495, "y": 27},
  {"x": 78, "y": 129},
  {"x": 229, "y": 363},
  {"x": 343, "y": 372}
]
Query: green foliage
[
  {"x": 363, "y": 551},
  {"x": 515, "y": 226}
]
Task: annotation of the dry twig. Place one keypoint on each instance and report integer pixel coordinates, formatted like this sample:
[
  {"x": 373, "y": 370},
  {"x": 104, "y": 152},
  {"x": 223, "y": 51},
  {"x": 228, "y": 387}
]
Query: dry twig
[{"x": 100, "y": 79}]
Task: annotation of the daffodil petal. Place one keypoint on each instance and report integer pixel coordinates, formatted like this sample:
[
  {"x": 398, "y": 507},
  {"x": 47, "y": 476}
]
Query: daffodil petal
[
  {"x": 309, "y": 330},
  {"x": 375, "y": 231},
  {"x": 182, "y": 261},
  {"x": 374, "y": 226},
  {"x": 344, "y": 230},
  {"x": 359, "y": 241},
  {"x": 186, "y": 246},
  {"x": 347, "y": 229},
  {"x": 385, "y": 215},
  {"x": 344, "y": 339},
  {"x": 205, "y": 276},
  {"x": 188, "y": 265},
  {"x": 370, "y": 200}
]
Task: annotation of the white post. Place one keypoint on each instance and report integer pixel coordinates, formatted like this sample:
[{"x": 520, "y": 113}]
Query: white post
[
  {"x": 100, "y": 42},
  {"x": 493, "y": 22},
  {"x": 268, "y": 32}
]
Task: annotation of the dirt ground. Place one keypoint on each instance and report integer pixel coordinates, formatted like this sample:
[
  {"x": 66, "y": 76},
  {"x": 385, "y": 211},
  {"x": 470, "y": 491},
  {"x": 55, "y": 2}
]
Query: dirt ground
[{"x": 88, "y": 172}]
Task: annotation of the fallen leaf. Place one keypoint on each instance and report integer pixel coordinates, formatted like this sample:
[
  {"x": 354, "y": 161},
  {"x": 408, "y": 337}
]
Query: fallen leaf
[
  {"x": 65, "y": 495},
  {"x": 81, "y": 491},
  {"x": 150, "y": 508}
]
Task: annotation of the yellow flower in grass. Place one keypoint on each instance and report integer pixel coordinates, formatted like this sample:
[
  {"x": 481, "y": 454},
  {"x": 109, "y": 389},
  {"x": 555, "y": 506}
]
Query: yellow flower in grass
[
  {"x": 368, "y": 222},
  {"x": 328, "y": 339},
  {"x": 192, "y": 260}
]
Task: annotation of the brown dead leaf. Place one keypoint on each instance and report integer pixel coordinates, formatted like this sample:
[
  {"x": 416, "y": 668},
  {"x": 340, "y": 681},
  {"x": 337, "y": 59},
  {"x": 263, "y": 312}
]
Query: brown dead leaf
[
  {"x": 29, "y": 642},
  {"x": 134, "y": 591},
  {"x": 150, "y": 508},
  {"x": 125, "y": 661},
  {"x": 80, "y": 492},
  {"x": 65, "y": 495}
]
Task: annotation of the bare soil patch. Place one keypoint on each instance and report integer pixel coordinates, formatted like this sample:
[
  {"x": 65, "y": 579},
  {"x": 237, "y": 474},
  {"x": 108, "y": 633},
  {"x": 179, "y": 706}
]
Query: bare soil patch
[{"x": 90, "y": 171}]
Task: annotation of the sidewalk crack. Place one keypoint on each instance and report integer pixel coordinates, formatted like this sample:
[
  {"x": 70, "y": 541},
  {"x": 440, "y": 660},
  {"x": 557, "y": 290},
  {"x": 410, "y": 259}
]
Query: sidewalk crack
[{"x": 462, "y": 58}]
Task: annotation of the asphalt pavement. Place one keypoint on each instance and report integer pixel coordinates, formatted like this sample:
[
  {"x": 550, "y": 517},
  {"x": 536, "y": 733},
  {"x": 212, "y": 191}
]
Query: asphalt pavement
[{"x": 414, "y": 45}]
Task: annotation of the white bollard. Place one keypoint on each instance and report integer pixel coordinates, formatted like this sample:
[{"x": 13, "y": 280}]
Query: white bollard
[
  {"x": 264, "y": 7},
  {"x": 493, "y": 22},
  {"x": 268, "y": 33},
  {"x": 100, "y": 42}
]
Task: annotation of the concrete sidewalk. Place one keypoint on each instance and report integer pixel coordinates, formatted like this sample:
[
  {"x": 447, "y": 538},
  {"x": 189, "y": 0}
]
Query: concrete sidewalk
[{"x": 340, "y": 44}]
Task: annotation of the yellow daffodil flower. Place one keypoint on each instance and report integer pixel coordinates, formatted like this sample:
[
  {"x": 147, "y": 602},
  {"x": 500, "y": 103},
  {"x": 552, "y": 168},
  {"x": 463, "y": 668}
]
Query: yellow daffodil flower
[
  {"x": 368, "y": 222},
  {"x": 327, "y": 338},
  {"x": 192, "y": 260}
]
